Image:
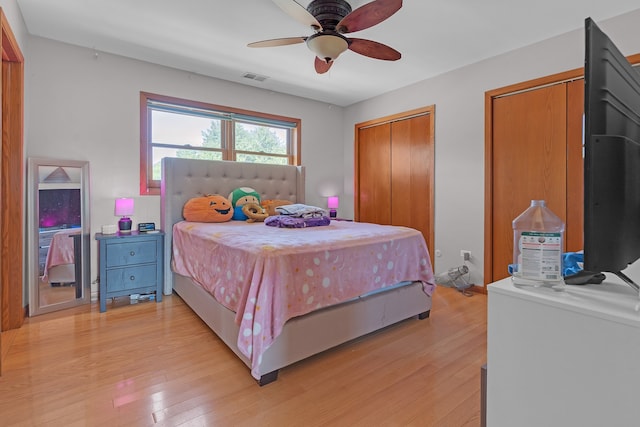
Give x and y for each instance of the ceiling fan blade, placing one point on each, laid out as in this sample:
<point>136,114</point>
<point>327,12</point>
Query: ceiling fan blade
<point>368,15</point>
<point>278,42</point>
<point>322,66</point>
<point>374,49</point>
<point>299,13</point>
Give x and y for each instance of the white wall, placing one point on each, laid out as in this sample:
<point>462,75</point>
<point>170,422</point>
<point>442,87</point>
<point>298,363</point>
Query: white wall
<point>458,97</point>
<point>84,105</point>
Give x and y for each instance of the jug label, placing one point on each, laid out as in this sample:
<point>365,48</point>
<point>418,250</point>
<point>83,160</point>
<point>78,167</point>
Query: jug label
<point>541,255</point>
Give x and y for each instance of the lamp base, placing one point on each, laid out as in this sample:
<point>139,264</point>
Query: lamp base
<point>124,225</point>
<point>333,213</point>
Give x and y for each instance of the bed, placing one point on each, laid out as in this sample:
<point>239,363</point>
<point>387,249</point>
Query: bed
<point>298,334</point>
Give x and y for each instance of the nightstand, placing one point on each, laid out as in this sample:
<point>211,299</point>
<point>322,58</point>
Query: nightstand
<point>130,264</point>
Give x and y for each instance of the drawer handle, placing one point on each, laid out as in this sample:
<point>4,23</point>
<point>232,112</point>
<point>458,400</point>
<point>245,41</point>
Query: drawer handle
<point>132,253</point>
<point>132,278</point>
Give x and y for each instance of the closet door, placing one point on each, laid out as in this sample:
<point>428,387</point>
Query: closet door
<point>529,161</point>
<point>412,171</point>
<point>374,174</point>
<point>394,171</point>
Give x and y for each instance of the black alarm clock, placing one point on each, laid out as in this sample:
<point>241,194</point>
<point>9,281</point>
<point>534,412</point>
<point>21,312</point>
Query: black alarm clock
<point>144,227</point>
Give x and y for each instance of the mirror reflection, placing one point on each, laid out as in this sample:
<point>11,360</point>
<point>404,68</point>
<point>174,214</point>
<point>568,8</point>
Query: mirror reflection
<point>59,233</point>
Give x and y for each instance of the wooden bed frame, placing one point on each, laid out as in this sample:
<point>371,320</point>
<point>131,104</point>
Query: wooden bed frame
<point>302,336</point>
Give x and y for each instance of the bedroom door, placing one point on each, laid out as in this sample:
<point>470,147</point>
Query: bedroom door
<point>11,181</point>
<point>394,171</point>
<point>535,153</point>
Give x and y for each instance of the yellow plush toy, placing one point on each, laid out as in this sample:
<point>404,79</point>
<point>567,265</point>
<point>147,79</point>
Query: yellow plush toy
<point>254,212</point>
<point>271,205</point>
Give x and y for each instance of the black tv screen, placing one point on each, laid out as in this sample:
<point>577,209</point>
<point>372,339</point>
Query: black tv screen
<point>612,156</point>
<point>59,208</point>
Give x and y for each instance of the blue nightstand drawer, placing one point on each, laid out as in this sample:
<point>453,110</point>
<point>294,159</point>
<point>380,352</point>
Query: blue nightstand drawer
<point>132,252</point>
<point>130,264</point>
<point>131,278</point>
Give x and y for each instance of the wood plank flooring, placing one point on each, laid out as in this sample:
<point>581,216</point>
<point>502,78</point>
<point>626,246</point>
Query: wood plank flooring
<point>158,364</point>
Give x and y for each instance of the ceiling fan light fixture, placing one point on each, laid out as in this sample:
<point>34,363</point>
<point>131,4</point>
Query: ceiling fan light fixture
<point>330,19</point>
<point>327,46</point>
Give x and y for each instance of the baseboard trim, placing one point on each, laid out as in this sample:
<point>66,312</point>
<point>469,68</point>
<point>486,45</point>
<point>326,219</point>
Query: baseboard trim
<point>478,289</point>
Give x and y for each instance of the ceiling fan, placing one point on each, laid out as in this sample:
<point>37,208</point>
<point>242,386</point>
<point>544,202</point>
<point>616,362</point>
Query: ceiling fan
<point>330,19</point>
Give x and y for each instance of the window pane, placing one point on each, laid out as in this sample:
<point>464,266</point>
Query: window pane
<point>259,138</point>
<point>185,129</point>
<point>159,152</point>
<point>254,158</point>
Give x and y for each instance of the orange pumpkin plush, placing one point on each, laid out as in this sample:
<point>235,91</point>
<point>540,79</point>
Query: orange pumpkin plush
<point>208,208</point>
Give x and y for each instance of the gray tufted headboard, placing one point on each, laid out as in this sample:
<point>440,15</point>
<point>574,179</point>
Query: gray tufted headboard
<point>183,179</point>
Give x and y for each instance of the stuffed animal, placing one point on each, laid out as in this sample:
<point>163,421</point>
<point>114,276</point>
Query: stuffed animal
<point>254,212</point>
<point>241,196</point>
<point>270,205</point>
<point>208,208</point>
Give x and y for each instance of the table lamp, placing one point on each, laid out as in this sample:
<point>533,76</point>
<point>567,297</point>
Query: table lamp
<point>124,208</point>
<point>332,204</point>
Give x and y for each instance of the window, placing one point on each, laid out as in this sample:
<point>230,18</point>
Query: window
<point>172,127</point>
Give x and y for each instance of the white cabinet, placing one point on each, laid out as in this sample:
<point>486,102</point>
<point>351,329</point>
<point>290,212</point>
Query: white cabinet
<point>565,359</point>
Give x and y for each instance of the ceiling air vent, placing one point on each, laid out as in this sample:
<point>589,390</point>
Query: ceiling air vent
<point>254,76</point>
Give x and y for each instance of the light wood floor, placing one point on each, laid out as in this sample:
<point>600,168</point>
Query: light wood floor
<point>158,364</point>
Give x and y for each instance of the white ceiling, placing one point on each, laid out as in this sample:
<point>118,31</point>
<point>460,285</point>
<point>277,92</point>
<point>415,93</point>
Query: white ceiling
<point>210,37</point>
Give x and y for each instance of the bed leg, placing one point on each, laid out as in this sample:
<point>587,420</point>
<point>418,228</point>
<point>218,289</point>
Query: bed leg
<point>268,378</point>
<point>424,315</point>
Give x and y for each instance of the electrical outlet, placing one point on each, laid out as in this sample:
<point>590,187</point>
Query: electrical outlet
<point>466,255</point>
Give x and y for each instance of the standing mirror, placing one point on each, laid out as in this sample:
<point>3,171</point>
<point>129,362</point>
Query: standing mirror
<point>58,234</point>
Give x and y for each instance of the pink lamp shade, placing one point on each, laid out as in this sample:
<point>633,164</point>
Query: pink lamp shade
<point>332,204</point>
<point>124,208</point>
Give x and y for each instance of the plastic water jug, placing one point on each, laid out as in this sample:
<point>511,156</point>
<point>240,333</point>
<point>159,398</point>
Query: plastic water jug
<point>538,243</point>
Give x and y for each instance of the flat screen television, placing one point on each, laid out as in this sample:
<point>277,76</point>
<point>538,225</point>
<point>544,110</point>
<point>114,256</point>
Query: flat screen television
<point>59,208</point>
<point>612,157</point>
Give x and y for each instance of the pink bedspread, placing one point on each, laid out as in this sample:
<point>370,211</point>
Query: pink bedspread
<point>60,251</point>
<point>269,275</point>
